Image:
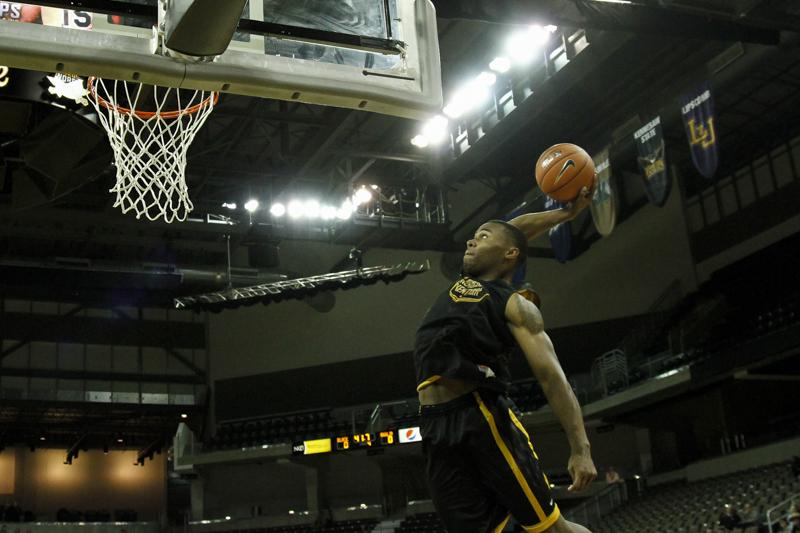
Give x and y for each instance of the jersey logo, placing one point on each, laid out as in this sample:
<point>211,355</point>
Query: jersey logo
<point>467,290</point>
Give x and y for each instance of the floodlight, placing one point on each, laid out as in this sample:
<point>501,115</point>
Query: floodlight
<point>420,141</point>
<point>436,129</point>
<point>362,196</point>
<point>277,209</point>
<point>327,212</point>
<point>345,211</point>
<point>311,209</point>
<point>500,64</point>
<point>486,79</point>
<point>295,209</point>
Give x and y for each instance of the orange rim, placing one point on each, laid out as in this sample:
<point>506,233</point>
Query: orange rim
<point>150,114</point>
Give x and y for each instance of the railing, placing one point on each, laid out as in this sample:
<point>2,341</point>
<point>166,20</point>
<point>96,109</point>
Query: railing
<point>780,510</point>
<point>599,505</point>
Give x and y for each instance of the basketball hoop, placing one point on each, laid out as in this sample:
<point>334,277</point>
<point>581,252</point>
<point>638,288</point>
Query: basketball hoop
<point>150,145</point>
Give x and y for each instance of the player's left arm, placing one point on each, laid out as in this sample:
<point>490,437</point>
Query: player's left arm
<point>534,224</point>
<point>526,325</point>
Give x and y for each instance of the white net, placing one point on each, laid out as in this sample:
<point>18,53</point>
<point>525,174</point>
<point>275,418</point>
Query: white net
<point>150,146</point>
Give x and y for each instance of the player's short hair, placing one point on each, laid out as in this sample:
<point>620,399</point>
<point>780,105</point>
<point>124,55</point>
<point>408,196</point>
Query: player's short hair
<point>516,237</point>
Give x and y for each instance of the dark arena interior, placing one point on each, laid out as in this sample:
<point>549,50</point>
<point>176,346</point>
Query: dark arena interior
<point>215,332</point>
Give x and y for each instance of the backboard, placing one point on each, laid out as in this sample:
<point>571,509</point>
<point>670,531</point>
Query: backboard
<point>374,55</point>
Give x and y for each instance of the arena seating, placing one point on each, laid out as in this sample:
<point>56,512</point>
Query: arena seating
<point>421,523</point>
<point>694,507</point>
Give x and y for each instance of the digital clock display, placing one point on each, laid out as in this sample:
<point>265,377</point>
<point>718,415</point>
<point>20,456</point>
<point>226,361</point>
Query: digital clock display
<point>364,440</point>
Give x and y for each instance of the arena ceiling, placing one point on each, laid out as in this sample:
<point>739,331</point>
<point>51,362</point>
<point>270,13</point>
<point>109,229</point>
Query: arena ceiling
<point>268,149</point>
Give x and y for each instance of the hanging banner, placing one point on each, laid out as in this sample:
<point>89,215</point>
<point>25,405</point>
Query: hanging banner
<point>604,199</point>
<point>697,111</point>
<point>652,160</point>
<point>561,235</point>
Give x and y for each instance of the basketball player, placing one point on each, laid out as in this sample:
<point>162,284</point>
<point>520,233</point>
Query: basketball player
<point>481,465</point>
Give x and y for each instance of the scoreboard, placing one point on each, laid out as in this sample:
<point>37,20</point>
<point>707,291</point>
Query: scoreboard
<point>358,441</point>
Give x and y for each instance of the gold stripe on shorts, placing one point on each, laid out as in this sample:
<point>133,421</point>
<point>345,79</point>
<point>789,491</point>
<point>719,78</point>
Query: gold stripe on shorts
<point>523,483</point>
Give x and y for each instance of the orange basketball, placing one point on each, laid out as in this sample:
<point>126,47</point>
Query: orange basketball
<point>563,170</point>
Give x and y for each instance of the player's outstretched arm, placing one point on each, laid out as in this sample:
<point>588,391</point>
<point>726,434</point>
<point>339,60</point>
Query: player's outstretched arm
<point>526,324</point>
<point>534,224</point>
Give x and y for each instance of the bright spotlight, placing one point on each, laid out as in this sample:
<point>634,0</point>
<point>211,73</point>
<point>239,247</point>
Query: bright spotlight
<point>435,129</point>
<point>500,64</point>
<point>184,416</point>
<point>227,518</point>
<point>277,209</point>
<point>311,209</point>
<point>420,141</point>
<point>251,205</point>
<point>362,196</point>
<point>523,45</point>
<point>486,79</point>
<point>472,95</point>
<point>229,205</point>
<point>295,209</point>
<point>346,211</point>
<point>327,212</point>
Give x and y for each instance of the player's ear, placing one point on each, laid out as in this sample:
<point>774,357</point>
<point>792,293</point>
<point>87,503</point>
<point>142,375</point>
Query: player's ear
<point>512,253</point>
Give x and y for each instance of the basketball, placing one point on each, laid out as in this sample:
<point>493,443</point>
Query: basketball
<point>563,170</point>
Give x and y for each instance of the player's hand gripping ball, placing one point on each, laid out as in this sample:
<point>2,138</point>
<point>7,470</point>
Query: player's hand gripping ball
<point>563,170</point>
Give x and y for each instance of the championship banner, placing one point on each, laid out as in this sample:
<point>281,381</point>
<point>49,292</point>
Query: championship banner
<point>697,111</point>
<point>604,199</point>
<point>561,235</point>
<point>652,160</point>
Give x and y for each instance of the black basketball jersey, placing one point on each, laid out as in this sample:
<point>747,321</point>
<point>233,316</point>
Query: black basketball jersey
<point>464,335</point>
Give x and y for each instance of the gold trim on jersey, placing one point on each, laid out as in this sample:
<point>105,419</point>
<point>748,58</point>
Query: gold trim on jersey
<point>431,380</point>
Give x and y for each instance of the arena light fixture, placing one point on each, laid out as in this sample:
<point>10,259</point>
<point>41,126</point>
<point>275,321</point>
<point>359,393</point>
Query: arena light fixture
<point>311,209</point>
<point>184,416</point>
<point>500,64</point>
<point>523,45</point>
<point>345,211</point>
<point>487,79</point>
<point>436,129</point>
<point>277,209</point>
<point>229,205</point>
<point>362,196</point>
<point>251,205</point>
<point>420,141</point>
<point>327,212</point>
<point>295,209</point>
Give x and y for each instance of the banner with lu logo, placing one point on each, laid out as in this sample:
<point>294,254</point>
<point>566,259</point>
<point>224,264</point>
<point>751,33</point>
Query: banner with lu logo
<point>697,111</point>
<point>652,160</point>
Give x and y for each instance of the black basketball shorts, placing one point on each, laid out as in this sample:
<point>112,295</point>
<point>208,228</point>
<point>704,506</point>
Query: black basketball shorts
<point>482,468</point>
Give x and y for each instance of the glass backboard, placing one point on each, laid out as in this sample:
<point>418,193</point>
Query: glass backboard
<point>375,55</point>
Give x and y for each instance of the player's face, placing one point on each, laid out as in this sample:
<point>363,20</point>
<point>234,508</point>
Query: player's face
<point>486,251</point>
